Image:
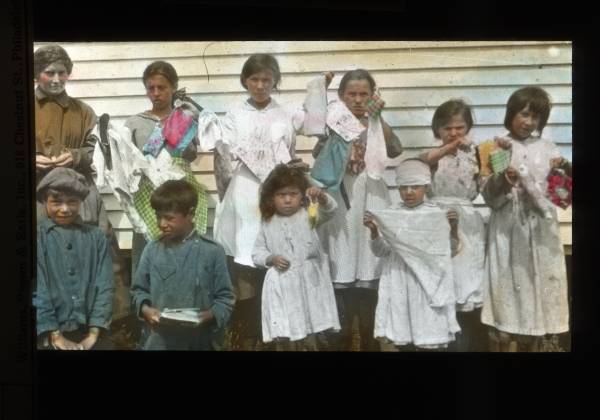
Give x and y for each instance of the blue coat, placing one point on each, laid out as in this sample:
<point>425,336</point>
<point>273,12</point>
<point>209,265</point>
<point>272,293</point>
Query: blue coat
<point>191,274</point>
<point>74,277</point>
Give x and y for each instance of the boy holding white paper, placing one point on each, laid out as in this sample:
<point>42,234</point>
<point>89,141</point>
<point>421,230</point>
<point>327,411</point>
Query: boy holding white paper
<point>181,270</point>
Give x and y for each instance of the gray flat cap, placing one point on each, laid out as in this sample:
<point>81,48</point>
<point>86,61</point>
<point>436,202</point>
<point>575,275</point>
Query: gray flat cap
<point>63,179</point>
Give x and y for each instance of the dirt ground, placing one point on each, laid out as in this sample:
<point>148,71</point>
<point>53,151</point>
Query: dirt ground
<point>125,333</point>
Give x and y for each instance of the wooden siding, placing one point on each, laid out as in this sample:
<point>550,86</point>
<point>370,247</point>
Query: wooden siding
<point>413,77</point>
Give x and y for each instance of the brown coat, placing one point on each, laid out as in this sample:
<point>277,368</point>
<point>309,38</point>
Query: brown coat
<point>64,124</point>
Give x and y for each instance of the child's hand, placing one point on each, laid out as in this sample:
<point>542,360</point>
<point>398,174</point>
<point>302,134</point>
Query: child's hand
<point>328,78</point>
<point>206,317</point>
<point>512,175</point>
<point>375,104</point>
<point>464,143</point>
<point>452,216</point>
<point>503,143</point>
<point>369,222</point>
<point>461,143</point>
<point>151,315</point>
<point>62,343</point>
<point>279,262</point>
<point>314,193</point>
<point>42,162</point>
<point>89,341</point>
<point>558,162</point>
<point>64,160</point>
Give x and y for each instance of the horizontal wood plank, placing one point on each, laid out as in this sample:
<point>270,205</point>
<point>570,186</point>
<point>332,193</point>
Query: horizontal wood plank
<point>339,61</point>
<point>91,51</point>
<point>395,98</point>
<point>463,77</point>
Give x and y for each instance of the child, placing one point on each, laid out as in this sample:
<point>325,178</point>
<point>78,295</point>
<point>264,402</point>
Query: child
<point>74,292</point>
<point>181,270</point>
<point>64,130</point>
<point>161,83</point>
<point>297,295</point>
<point>455,184</point>
<point>526,296</point>
<point>350,163</point>
<point>416,301</point>
<point>258,134</point>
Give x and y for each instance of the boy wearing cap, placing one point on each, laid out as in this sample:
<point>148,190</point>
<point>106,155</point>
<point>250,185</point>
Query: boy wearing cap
<point>74,290</point>
<point>416,301</point>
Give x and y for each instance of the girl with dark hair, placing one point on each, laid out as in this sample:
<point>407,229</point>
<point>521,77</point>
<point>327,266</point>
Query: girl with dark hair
<point>148,133</point>
<point>454,186</point>
<point>297,295</point>
<point>526,295</point>
<point>350,162</point>
<point>258,134</point>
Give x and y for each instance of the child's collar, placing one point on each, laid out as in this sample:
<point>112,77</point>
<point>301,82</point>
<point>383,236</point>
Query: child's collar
<point>62,99</point>
<point>50,224</point>
<point>187,237</point>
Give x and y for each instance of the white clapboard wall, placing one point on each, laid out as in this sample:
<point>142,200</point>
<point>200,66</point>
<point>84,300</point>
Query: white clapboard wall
<point>413,77</point>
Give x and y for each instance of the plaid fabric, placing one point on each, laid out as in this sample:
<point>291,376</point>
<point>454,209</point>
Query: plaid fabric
<point>500,160</point>
<point>141,201</point>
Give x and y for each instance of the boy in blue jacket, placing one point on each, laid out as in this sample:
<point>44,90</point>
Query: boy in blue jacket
<point>74,288</point>
<point>181,270</point>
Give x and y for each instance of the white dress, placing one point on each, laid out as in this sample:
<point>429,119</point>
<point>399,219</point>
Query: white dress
<point>299,301</point>
<point>454,186</point>
<point>345,237</point>
<point>237,216</point>
<point>416,302</point>
<point>527,288</point>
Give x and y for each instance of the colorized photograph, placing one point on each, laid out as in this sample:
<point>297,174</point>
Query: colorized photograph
<point>345,196</point>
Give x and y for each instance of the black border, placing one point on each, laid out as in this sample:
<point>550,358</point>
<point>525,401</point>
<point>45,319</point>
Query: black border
<point>487,381</point>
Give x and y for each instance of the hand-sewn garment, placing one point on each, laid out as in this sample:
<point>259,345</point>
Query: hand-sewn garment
<point>526,291</point>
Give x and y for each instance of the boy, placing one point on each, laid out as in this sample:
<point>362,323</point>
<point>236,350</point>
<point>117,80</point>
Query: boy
<point>64,137</point>
<point>416,302</point>
<point>74,292</point>
<point>181,270</point>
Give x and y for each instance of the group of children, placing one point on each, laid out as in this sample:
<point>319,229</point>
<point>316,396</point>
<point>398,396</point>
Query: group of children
<point>298,253</point>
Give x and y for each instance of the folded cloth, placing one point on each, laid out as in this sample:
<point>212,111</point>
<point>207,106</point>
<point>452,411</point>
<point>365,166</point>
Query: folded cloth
<point>500,160</point>
<point>155,142</point>
<point>343,122</point>
<point>422,239</point>
<point>179,130</point>
<point>315,105</point>
<point>329,167</point>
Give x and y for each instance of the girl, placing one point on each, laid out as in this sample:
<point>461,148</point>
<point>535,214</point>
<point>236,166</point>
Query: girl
<point>416,302</point>
<point>160,81</point>
<point>258,134</point>
<point>526,295</point>
<point>297,295</point>
<point>455,184</point>
<point>360,143</point>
